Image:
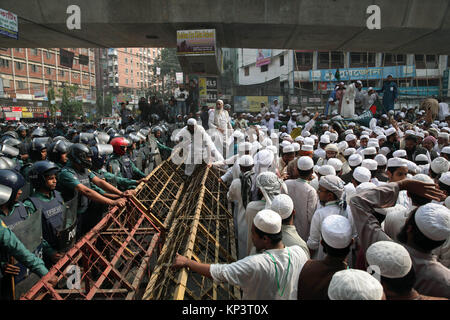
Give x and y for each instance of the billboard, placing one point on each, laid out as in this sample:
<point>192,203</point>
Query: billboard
<point>327,75</point>
<point>207,90</point>
<point>263,57</point>
<point>196,42</point>
<point>9,25</point>
<point>253,103</point>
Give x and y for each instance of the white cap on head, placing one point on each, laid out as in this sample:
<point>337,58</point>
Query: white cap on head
<point>336,231</point>
<point>373,144</point>
<point>306,133</point>
<point>410,133</point>
<point>423,178</point>
<point>325,139</point>
<point>445,178</point>
<point>333,137</point>
<point>381,136</point>
<point>305,163</point>
<point>361,174</point>
<point>365,186</point>
<point>307,147</point>
<point>392,259</point>
<point>397,162</point>
<point>399,154</point>
<point>369,164</point>
<point>443,135</point>
<point>314,137</point>
<point>381,160</point>
<point>299,138</point>
<point>369,151</point>
<point>191,122</point>
<point>342,146</point>
<point>390,132</point>
<point>446,150</point>
<point>349,151</point>
<point>244,146</point>
<point>439,165</point>
<point>283,205</point>
<point>238,135</point>
<point>246,161</point>
<point>268,221</point>
<point>264,158</point>
<point>335,163</point>
<point>350,137</point>
<point>326,170</point>
<point>321,153</point>
<point>355,160</point>
<point>333,184</point>
<point>309,141</point>
<point>433,220</point>
<point>365,133</point>
<point>296,146</point>
<point>420,135</point>
<point>332,147</point>
<point>285,143</point>
<point>273,149</point>
<point>354,284</point>
<point>288,149</point>
<point>364,136</point>
<point>422,157</point>
<point>447,202</point>
<point>352,124</point>
<point>412,167</point>
<point>349,131</point>
<point>385,151</point>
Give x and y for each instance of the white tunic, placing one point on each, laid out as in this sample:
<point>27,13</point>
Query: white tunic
<point>250,213</point>
<point>257,276</point>
<point>234,194</point>
<point>348,102</point>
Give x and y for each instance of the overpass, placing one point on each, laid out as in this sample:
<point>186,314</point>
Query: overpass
<point>407,26</point>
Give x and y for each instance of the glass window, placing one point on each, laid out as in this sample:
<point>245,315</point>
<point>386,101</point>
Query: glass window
<point>49,70</point>
<point>34,68</point>
<point>4,63</point>
<point>34,52</point>
<point>281,60</point>
<point>48,54</point>
<point>21,84</point>
<point>61,73</point>
<point>265,68</point>
<point>246,71</point>
<point>19,65</point>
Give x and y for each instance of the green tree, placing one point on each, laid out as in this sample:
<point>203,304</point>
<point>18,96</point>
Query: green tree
<point>169,65</point>
<point>51,97</point>
<point>70,107</point>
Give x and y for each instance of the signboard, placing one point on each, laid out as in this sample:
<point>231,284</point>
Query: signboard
<point>327,75</point>
<point>293,100</point>
<point>158,71</point>
<point>39,94</point>
<point>27,115</point>
<point>16,109</point>
<point>253,103</point>
<point>1,86</point>
<point>207,90</point>
<point>445,80</point>
<point>179,77</point>
<point>9,25</point>
<point>263,57</point>
<point>323,86</point>
<point>196,42</point>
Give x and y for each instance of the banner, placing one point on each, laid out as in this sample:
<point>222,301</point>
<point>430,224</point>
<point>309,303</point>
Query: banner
<point>27,115</point>
<point>263,57</point>
<point>179,77</point>
<point>207,90</point>
<point>253,103</point>
<point>9,25</point>
<point>66,58</point>
<point>196,42</point>
<point>327,75</point>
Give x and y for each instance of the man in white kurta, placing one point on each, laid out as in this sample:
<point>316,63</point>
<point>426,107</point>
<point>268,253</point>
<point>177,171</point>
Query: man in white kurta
<point>348,102</point>
<point>220,127</point>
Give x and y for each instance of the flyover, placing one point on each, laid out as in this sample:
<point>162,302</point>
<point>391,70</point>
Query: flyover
<point>407,26</point>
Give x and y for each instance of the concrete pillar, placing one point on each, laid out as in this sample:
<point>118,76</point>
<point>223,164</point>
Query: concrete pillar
<point>378,59</point>
<point>346,60</point>
<point>443,62</point>
<point>409,59</point>
<point>291,70</point>
<point>315,59</point>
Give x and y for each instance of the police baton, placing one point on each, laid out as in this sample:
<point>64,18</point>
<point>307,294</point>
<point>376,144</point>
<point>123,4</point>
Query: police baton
<point>13,284</point>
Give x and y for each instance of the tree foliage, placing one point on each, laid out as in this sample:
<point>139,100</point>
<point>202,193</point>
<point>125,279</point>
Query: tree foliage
<point>70,107</point>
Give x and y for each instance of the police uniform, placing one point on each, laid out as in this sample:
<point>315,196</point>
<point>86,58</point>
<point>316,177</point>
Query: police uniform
<point>117,181</point>
<point>124,167</point>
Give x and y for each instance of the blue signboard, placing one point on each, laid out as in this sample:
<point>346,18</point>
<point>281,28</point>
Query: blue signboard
<point>415,91</point>
<point>326,75</point>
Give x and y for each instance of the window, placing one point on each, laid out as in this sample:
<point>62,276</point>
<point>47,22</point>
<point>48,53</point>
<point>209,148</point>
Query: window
<point>19,50</point>
<point>282,60</point>
<point>265,68</point>
<point>34,68</point>
<point>304,60</point>
<point>48,70</point>
<point>36,86</point>
<point>6,83</point>
<point>362,59</point>
<point>48,54</point>
<point>21,84</point>
<point>34,52</point>
<point>246,71</point>
<point>61,73</point>
<point>126,60</point>
<point>4,63</point>
<point>131,71</point>
<point>126,71</point>
<point>19,65</point>
<point>324,58</point>
<point>337,59</point>
<point>75,75</point>
<point>126,81</point>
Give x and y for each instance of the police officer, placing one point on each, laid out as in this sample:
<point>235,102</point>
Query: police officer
<point>27,228</point>
<point>57,153</point>
<point>58,220</point>
<point>75,179</point>
<point>120,164</point>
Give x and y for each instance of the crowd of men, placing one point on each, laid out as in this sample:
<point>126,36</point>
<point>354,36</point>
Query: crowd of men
<point>330,209</point>
<point>323,208</point>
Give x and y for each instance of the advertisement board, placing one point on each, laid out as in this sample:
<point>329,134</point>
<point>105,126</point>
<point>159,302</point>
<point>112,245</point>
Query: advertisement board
<point>327,75</point>
<point>263,57</point>
<point>253,103</point>
<point>196,42</point>
<point>9,25</point>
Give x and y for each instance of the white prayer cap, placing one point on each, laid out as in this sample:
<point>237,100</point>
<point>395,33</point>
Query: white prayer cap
<point>342,146</point>
<point>364,136</point>
<point>381,160</point>
<point>321,153</point>
<point>266,142</point>
<point>324,139</point>
<point>296,146</point>
<point>365,133</point>
<point>390,132</point>
<point>307,147</point>
<point>349,131</point>
<point>264,158</point>
<point>445,178</point>
<point>283,205</point>
<point>349,151</point>
<point>191,122</point>
<point>332,147</point>
<point>246,161</point>
<point>423,178</point>
<point>412,167</point>
<point>355,160</point>
<point>245,146</point>
<point>399,154</point>
<point>326,170</point>
<point>305,163</point>
<point>447,202</point>
<point>422,157</point>
<point>446,150</point>
<point>285,143</point>
<point>336,231</point>
<point>305,133</point>
<point>392,258</point>
<point>299,138</point>
<point>333,184</point>
<point>288,149</point>
<point>381,136</point>
<point>384,151</point>
<point>369,151</point>
<point>401,115</point>
<point>335,163</point>
<point>352,124</point>
<point>354,284</point>
<point>309,141</point>
<point>268,221</point>
<point>433,220</point>
<point>333,137</point>
<point>361,174</point>
<point>443,135</point>
<point>365,186</point>
<point>273,149</point>
<point>439,165</point>
<point>350,137</point>
<point>267,114</point>
<point>410,133</point>
<point>314,137</point>
<point>397,162</point>
<point>326,132</point>
<point>273,135</point>
<point>238,135</point>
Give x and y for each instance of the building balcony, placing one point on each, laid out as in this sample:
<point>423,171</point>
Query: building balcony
<point>112,52</point>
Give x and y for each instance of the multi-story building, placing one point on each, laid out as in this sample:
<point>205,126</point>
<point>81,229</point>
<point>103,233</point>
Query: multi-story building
<point>27,74</point>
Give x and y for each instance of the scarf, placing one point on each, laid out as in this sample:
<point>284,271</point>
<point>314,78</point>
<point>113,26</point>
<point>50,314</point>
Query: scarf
<point>246,186</point>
